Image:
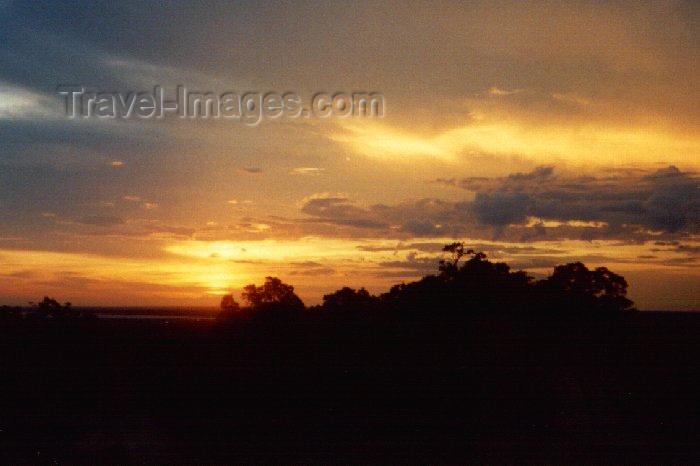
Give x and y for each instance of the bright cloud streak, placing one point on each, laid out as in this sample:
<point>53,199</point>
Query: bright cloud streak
<point>576,145</point>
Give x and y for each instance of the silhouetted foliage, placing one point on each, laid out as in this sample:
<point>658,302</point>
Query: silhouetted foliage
<point>481,285</point>
<point>229,306</point>
<point>9,313</point>
<point>47,310</point>
<point>457,251</point>
<point>460,288</point>
<point>576,287</point>
<point>475,363</point>
<point>349,300</point>
<point>273,294</point>
<point>476,285</point>
<point>49,307</point>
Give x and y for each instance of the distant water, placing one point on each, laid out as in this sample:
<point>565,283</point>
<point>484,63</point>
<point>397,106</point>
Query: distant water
<point>153,313</point>
<point>152,317</point>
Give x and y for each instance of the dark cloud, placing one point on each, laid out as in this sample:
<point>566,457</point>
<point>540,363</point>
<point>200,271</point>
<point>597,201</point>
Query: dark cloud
<point>357,222</point>
<point>310,269</point>
<point>340,211</point>
<point>674,204</point>
<point>667,200</point>
<point>336,207</point>
<point>501,209</point>
<point>101,220</point>
<point>688,249</point>
<point>413,264</point>
<point>512,183</point>
<point>627,206</point>
<point>421,217</point>
<point>420,227</point>
<point>401,246</point>
<point>538,174</point>
<point>306,264</point>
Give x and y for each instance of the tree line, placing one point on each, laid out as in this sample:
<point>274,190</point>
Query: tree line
<point>466,281</point>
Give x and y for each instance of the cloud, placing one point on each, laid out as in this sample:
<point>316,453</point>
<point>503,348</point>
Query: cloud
<point>494,91</point>
<point>339,209</point>
<point>307,171</point>
<point>17,103</point>
<point>665,200</point>
<point>313,271</point>
<point>413,264</point>
<point>420,217</point>
<point>519,85</point>
<point>501,209</point>
<point>420,227</point>
<point>101,220</point>
<point>512,183</point>
<point>674,201</point>
<point>539,205</point>
<point>631,206</point>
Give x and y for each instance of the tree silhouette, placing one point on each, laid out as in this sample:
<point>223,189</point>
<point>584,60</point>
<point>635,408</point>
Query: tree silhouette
<point>229,307</point>
<point>272,294</point>
<point>583,288</point>
<point>481,285</point>
<point>347,300</point>
<point>461,287</point>
<point>228,304</point>
<point>49,307</point>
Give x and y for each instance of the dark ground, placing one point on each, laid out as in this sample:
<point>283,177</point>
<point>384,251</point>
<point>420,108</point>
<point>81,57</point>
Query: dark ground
<point>489,389</point>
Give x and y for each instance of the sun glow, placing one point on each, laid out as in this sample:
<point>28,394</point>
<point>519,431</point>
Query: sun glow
<point>89,272</point>
<point>192,271</point>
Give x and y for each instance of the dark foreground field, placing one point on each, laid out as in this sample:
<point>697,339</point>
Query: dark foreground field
<point>496,389</point>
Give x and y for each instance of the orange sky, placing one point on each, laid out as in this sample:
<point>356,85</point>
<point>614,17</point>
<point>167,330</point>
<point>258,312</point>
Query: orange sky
<point>538,132</point>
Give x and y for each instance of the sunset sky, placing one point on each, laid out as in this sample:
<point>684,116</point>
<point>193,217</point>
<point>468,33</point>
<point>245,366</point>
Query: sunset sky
<point>538,132</point>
